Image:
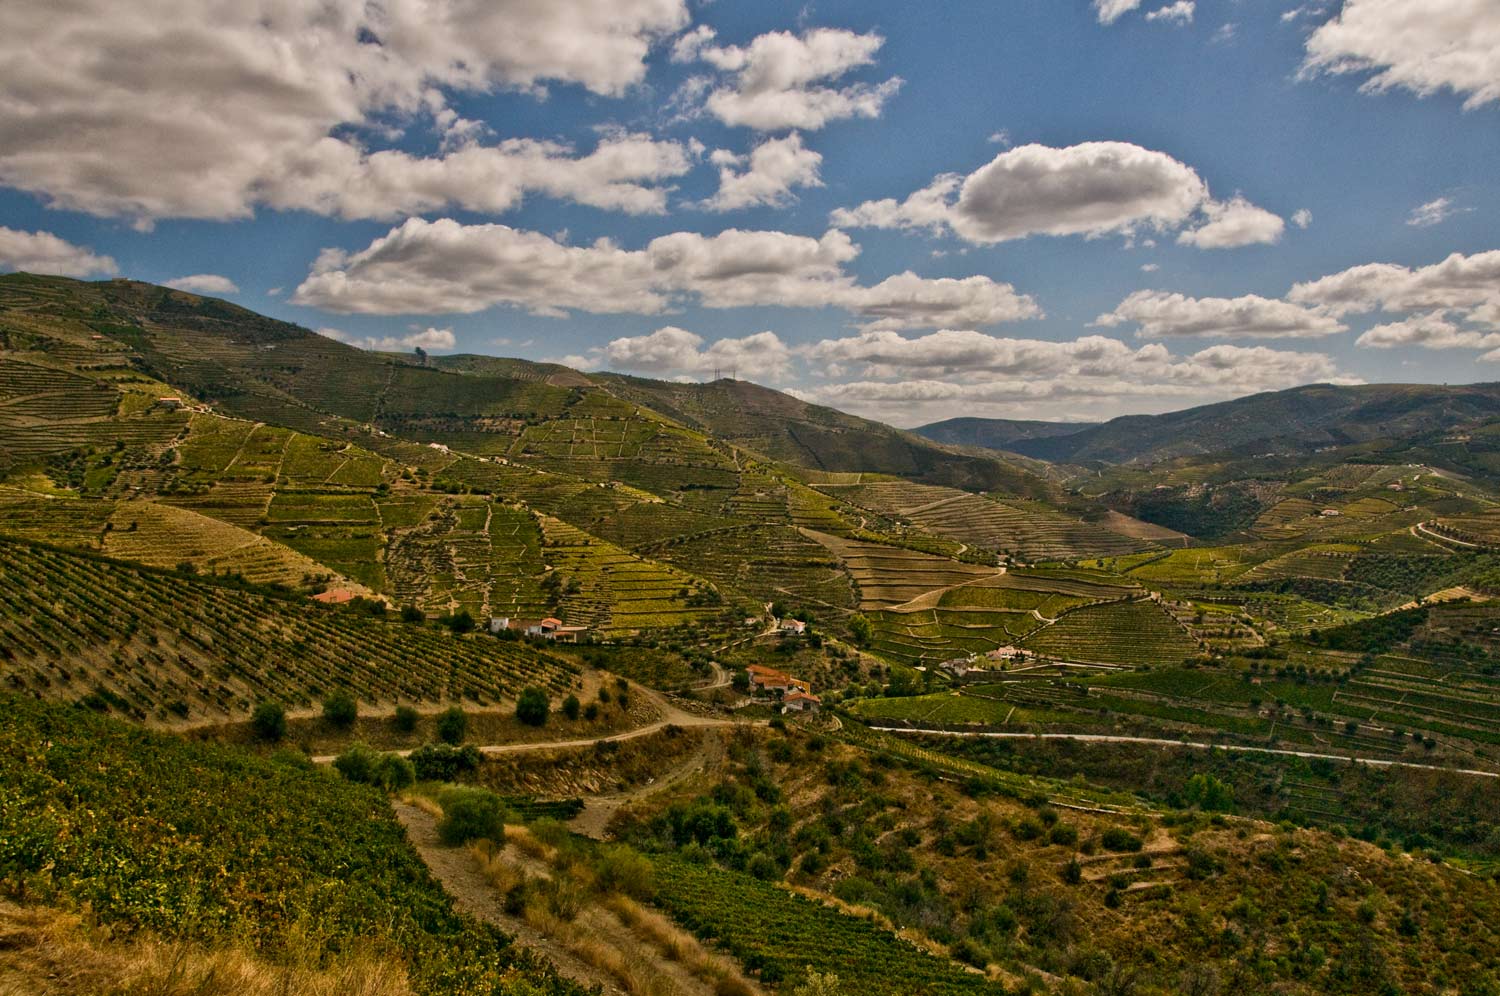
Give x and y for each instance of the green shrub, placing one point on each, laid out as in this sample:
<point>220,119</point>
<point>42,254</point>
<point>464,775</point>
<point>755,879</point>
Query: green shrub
<point>968,951</point>
<point>357,764</point>
<point>571,707</point>
<point>471,814</point>
<point>444,763</point>
<point>393,772</point>
<point>1028,829</point>
<point>623,869</point>
<point>340,710</point>
<point>1120,839</point>
<point>764,867</point>
<point>1072,872</point>
<point>370,767</point>
<point>452,725</point>
<point>460,622</point>
<point>1063,833</point>
<point>269,721</point>
<point>406,719</point>
<point>532,707</point>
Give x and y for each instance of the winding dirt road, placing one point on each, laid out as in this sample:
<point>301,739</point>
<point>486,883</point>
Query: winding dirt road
<point>667,715</point>
<point>1105,738</point>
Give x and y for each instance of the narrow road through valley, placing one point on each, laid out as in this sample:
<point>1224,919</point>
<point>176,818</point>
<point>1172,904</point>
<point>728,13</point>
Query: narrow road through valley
<point>1105,738</point>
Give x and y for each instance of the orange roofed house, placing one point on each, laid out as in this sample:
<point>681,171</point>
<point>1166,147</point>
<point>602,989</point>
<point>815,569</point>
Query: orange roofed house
<point>334,596</point>
<point>798,701</point>
<point>769,681</point>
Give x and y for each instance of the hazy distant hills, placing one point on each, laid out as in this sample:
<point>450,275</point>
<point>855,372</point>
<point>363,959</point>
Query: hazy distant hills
<point>998,433</point>
<point>1296,421</point>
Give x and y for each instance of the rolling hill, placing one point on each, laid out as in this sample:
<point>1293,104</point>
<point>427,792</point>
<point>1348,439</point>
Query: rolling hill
<point>1301,420</point>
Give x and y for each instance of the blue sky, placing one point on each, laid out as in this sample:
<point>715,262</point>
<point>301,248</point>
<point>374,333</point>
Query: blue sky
<point>1150,204</point>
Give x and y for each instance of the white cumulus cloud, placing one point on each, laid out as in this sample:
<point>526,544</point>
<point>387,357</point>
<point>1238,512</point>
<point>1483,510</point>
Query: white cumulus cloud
<point>43,252</point>
<point>1159,314</point>
<point>1459,282</point>
<point>1090,189</point>
<point>1430,331</point>
<point>672,351</point>
<point>953,372</point>
<point>204,283</point>
<point>268,103</point>
<point>773,168</point>
<point>782,80</point>
<point>436,267</point>
<point>429,339</point>
<point>1434,212</point>
<point>1180,12</point>
<point>1110,11</point>
<point>1232,224</point>
<point>1423,47</point>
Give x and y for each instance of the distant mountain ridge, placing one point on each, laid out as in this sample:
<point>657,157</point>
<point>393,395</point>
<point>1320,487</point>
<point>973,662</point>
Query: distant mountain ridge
<point>1295,421</point>
<point>997,433</point>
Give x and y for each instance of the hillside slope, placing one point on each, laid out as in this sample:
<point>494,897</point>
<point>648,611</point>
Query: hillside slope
<point>1296,421</point>
<point>786,429</point>
<point>997,433</point>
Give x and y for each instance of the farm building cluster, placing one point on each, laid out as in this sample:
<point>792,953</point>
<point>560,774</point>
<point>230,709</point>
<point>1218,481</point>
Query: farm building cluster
<point>550,628</point>
<point>794,694</point>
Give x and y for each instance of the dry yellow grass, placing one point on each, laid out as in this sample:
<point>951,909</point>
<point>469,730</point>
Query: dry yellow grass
<point>528,843</point>
<point>44,952</point>
<point>623,940</point>
<point>676,944</point>
<point>422,801</point>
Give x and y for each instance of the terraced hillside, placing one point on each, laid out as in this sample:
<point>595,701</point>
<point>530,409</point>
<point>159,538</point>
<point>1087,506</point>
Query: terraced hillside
<point>159,535</point>
<point>466,554</point>
<point>1133,632</point>
<point>1029,531</point>
<point>990,613</point>
<point>888,576</point>
<point>164,647</point>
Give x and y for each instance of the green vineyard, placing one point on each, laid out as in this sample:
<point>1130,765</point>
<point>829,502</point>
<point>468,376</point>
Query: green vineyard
<point>158,646</point>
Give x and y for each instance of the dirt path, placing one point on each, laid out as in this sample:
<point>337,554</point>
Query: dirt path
<point>1421,531</point>
<point>1104,738</point>
<point>667,715</point>
<point>598,810</point>
<point>460,875</point>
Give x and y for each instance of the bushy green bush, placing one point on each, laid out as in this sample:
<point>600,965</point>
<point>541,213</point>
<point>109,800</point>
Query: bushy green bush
<point>340,710</point>
<point>269,721</point>
<point>357,764</point>
<point>406,719</point>
<point>471,814</point>
<point>444,763</point>
<point>370,767</point>
<point>623,869</point>
<point>453,725</point>
<point>532,707</point>
<point>1120,839</point>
